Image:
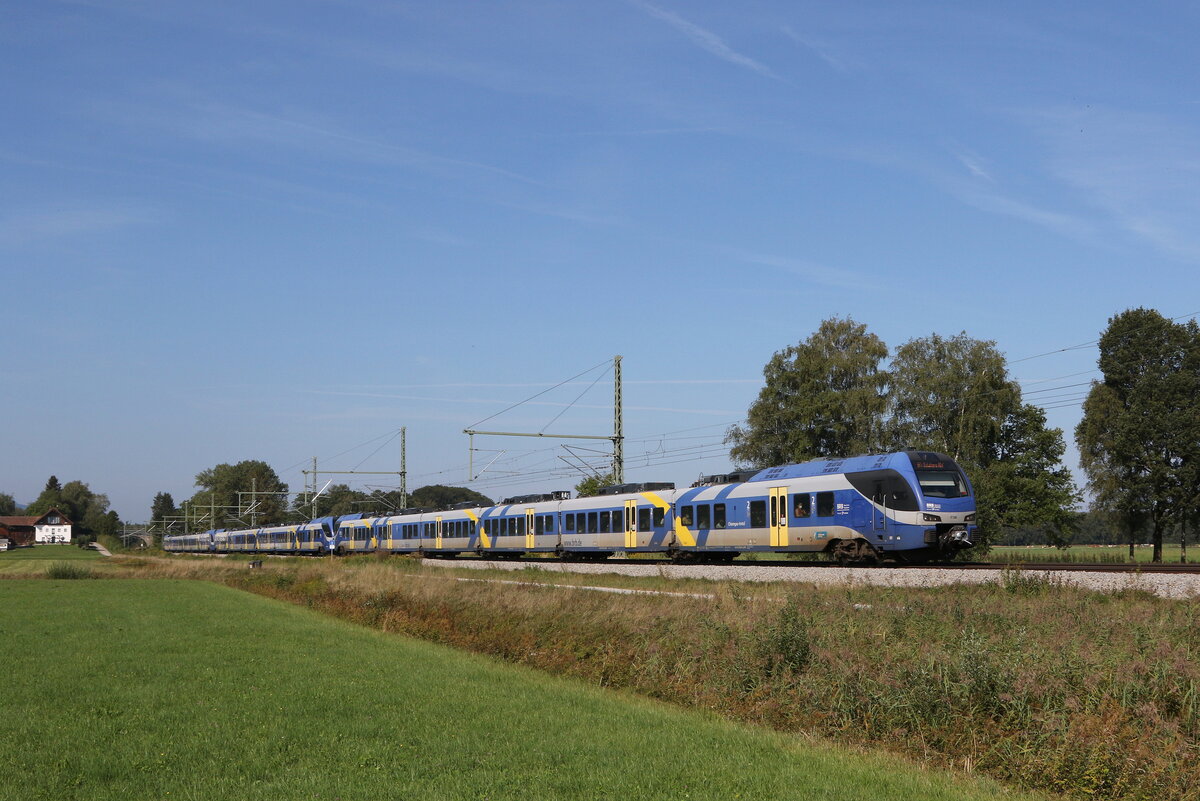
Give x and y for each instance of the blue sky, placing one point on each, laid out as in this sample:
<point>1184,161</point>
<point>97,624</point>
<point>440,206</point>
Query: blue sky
<point>279,230</point>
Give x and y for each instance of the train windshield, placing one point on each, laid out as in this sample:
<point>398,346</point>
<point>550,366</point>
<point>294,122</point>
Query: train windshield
<point>939,476</point>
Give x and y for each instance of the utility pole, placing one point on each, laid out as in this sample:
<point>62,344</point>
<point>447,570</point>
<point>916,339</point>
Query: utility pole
<point>402,473</point>
<point>617,438</point>
<point>403,467</point>
<point>618,468</point>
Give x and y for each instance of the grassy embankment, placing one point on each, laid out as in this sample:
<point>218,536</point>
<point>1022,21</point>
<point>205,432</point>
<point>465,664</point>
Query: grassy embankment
<point>1037,684</point>
<point>187,690</point>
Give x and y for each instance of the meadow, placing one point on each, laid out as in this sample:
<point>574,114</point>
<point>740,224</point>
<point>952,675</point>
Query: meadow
<point>1088,554</point>
<point>181,689</point>
<point>36,560</point>
<point>1038,684</point>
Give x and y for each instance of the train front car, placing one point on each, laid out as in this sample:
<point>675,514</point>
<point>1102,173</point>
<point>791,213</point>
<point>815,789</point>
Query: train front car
<point>923,506</point>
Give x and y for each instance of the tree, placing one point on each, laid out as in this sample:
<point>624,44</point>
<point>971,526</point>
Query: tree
<point>951,396</point>
<point>591,486</point>
<point>162,513</point>
<point>1139,439</point>
<point>337,499</point>
<point>1023,483</point>
<point>439,496</point>
<point>86,509</point>
<point>828,397</point>
<point>954,395</point>
<point>825,396</point>
<point>340,499</point>
<point>50,498</point>
<point>8,505</point>
<point>247,493</point>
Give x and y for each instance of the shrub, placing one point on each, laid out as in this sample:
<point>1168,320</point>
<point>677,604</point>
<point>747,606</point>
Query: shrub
<point>66,570</point>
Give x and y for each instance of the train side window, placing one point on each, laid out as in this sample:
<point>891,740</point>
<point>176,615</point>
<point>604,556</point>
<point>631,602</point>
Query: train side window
<point>539,525</point>
<point>569,524</point>
<point>660,516</point>
<point>824,504</point>
<point>758,514</point>
<point>644,519</point>
<point>719,515</point>
<point>619,520</point>
<point>549,524</point>
<point>520,527</point>
<point>685,516</point>
<point>592,523</point>
<point>801,505</point>
<point>605,522</point>
<point>704,516</point>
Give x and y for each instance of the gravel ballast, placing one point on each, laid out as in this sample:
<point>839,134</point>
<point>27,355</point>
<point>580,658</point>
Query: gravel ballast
<point>1165,585</point>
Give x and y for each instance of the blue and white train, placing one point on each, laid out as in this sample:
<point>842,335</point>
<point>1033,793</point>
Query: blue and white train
<point>911,506</point>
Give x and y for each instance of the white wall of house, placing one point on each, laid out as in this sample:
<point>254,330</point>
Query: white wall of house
<point>47,533</point>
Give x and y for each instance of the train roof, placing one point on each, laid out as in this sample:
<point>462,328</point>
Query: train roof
<point>901,460</point>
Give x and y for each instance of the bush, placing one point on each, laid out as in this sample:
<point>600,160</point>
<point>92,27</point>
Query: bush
<point>66,570</point>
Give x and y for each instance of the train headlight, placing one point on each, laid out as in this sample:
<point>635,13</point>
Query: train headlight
<point>928,518</point>
<point>970,518</point>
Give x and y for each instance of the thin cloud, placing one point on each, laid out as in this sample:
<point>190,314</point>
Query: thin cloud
<point>822,50</point>
<point>68,223</point>
<point>1140,169</point>
<point>817,273</point>
<point>705,39</point>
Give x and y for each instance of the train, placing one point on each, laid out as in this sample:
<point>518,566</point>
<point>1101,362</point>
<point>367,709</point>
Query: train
<point>907,506</point>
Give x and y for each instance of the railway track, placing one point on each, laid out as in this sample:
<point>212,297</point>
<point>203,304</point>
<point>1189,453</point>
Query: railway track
<point>1059,567</point>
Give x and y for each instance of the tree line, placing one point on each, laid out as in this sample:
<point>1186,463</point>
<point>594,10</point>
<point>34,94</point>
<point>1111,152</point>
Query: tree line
<point>250,493</point>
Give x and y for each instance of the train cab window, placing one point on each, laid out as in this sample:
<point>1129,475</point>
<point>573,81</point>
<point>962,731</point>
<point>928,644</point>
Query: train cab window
<point>569,524</point>
<point>719,515</point>
<point>660,516</point>
<point>643,519</point>
<point>539,524</point>
<point>824,504</point>
<point>758,514</point>
<point>619,520</point>
<point>703,516</point>
<point>801,505</point>
<point>685,516</point>
<point>605,522</point>
<point>593,523</point>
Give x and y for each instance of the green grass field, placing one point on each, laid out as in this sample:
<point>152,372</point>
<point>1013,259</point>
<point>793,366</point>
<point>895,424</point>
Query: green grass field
<point>39,558</point>
<point>1090,554</point>
<point>159,689</point>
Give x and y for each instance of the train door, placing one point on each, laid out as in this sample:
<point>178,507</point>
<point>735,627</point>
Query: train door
<point>529,530</point>
<point>631,539</point>
<point>779,517</point>
<point>879,508</point>
<point>437,534</point>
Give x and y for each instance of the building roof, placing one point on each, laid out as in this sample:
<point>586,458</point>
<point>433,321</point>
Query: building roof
<point>27,520</point>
